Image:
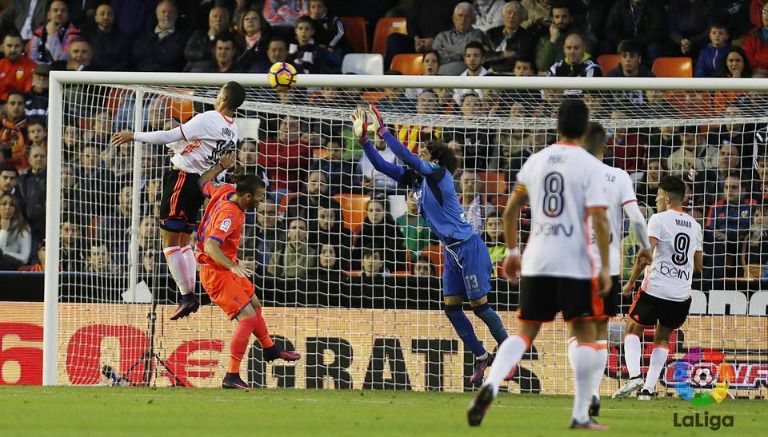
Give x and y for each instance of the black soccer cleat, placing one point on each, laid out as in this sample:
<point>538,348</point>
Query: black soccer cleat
<point>187,306</point>
<point>233,381</point>
<point>594,407</point>
<point>480,405</point>
<point>275,352</point>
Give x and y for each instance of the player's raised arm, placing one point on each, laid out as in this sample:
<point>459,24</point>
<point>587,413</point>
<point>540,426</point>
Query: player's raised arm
<point>360,128</point>
<point>156,137</point>
<point>637,222</point>
<point>402,152</point>
<point>511,224</point>
<point>226,162</point>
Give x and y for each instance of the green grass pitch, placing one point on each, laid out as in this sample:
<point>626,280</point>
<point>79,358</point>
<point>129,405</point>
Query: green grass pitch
<point>108,411</point>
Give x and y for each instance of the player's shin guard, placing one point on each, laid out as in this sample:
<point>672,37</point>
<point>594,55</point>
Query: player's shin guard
<point>509,354</point>
<point>261,332</point>
<point>658,359</point>
<point>464,329</point>
<point>177,266</point>
<point>492,321</point>
<point>240,342</point>
<point>190,268</point>
<point>632,352</point>
<point>583,359</point>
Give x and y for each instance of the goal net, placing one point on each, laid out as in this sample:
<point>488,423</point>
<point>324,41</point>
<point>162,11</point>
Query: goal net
<point>349,275</point>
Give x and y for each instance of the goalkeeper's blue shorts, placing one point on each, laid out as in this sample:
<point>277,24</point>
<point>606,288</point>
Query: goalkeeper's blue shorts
<point>468,269</point>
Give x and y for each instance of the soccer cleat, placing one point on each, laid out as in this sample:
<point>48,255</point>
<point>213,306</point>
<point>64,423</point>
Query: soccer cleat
<point>233,381</point>
<point>480,405</point>
<point>480,366</point>
<point>589,424</point>
<point>630,387</point>
<point>274,352</point>
<point>187,306</point>
<point>594,407</point>
<point>645,395</point>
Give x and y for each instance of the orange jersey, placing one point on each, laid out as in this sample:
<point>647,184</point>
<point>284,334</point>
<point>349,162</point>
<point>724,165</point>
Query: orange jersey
<point>222,221</point>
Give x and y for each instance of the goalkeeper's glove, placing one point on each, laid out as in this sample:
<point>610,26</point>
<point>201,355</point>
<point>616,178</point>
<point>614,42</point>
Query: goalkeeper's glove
<point>360,125</point>
<point>377,123</point>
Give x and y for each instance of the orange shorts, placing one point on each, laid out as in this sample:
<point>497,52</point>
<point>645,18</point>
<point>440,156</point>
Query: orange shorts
<point>227,290</point>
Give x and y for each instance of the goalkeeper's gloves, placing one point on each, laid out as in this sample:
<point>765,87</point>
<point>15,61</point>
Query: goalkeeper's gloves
<point>360,125</point>
<point>377,123</point>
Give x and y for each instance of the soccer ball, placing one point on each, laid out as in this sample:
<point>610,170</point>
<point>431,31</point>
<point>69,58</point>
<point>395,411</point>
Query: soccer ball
<point>282,76</point>
<point>702,377</point>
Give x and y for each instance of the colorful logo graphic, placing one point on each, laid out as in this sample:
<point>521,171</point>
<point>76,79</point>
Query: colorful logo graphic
<point>690,386</point>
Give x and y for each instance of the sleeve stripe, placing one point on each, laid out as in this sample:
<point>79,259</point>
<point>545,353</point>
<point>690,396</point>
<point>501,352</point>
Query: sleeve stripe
<point>629,201</point>
<point>181,129</point>
<point>217,239</point>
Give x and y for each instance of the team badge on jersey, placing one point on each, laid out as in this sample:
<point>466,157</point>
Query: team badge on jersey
<point>225,225</point>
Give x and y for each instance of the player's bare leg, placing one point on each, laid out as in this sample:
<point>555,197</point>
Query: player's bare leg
<point>658,359</point>
<point>183,267</point>
<point>509,354</point>
<point>584,361</point>
<point>632,354</point>
<point>461,324</point>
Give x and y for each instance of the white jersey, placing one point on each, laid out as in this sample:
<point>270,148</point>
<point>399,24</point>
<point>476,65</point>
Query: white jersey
<point>206,137</point>
<point>670,274</point>
<point>562,182</point>
<point>619,191</point>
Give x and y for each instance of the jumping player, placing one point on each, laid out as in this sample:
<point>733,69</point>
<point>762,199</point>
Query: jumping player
<point>197,145</point>
<point>224,279</point>
<point>665,293</point>
<point>468,266</point>
<point>564,186</point>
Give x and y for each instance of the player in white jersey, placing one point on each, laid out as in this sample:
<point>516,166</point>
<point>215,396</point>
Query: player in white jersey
<point>665,294</point>
<point>564,187</point>
<point>198,145</point>
<point>621,197</point>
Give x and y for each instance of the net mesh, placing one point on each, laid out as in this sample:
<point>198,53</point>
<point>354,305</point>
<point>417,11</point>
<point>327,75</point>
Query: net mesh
<point>348,272</point>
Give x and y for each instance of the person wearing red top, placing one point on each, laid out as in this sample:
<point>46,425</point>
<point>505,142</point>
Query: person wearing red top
<point>286,159</point>
<point>15,70</point>
<point>223,277</point>
<point>755,45</point>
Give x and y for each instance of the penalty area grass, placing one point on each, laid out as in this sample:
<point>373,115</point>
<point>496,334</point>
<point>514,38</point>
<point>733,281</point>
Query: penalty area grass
<point>108,411</point>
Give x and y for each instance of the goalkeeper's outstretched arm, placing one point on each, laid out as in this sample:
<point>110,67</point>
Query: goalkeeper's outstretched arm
<point>402,152</point>
<point>360,125</point>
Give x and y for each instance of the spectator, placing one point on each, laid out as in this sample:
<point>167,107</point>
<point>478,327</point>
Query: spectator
<point>431,63</point>
<point>710,183</point>
<point>736,16</point>
<point>329,229</point>
<point>474,57</point>
<point>71,258</point>
<point>493,234</point>
<point>687,23</point>
<point>33,188</point>
<point>305,54</point>
<point>426,18</point>
<point>630,65</point>
<point>712,55</point>
<point>36,135</point>
<point>24,16</point>
<point>639,20</point>
<point>472,200</point>
<point>523,67</point>
<point>692,155</point>
<point>413,227</point>
<point>269,235</point>
<point>735,64</point>
<point>15,69</point>
<point>284,13</point>
<point>380,232</point>
<point>372,178</point>
<point>15,238</point>
<point>373,264</point>
<point>95,184</point>
<point>253,34</point>
<point>754,246</point>
<point>306,202</point>
<point>422,267</point>
<point>648,184</point>
<point>342,175</point>
<point>296,258</point>
<point>329,30</point>
<point>161,48</point>
<point>510,41</point>
<point>285,157</point>
<point>79,58</point>
<point>13,137</point>
<point>488,14</point>
<point>50,42</point>
<point>36,107</point>
<point>551,44</point>
<point>328,264</point>
<point>451,43</point>
<point>577,62</point>
<point>410,134</point>
<point>277,51</point>
<point>199,48</point>
<point>99,259</point>
<point>39,266</point>
<point>224,53</point>
<point>755,45</point>
<point>114,225</point>
<point>111,48</point>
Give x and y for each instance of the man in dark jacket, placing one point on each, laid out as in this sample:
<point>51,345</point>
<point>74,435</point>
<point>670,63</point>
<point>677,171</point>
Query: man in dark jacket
<point>510,41</point>
<point>161,48</point>
<point>33,186</point>
<point>639,20</point>
<point>631,65</point>
<point>111,50</point>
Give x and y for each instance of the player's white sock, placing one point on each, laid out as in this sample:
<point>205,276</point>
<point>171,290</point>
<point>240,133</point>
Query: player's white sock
<point>572,344</point>
<point>190,268</point>
<point>632,353</point>
<point>509,354</point>
<point>658,359</point>
<point>177,267</point>
<point>600,362</point>
<point>584,358</point>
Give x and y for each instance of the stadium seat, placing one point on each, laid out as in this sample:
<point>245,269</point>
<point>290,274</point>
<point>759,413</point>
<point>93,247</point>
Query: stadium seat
<point>356,32</point>
<point>384,27</point>
<point>435,255</point>
<point>363,63</point>
<point>608,62</point>
<point>285,200</point>
<point>354,209</point>
<point>408,63</point>
<point>673,67</point>
<point>494,182</point>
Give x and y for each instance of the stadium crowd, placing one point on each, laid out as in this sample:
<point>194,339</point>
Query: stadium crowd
<point>316,173</point>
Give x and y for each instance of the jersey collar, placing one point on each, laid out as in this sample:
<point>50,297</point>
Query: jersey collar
<point>567,143</point>
<point>229,120</point>
<point>236,203</point>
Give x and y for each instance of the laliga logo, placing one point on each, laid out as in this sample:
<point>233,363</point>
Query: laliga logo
<point>701,377</point>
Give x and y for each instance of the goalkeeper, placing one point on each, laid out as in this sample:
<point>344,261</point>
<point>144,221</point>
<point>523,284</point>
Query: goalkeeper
<point>468,264</point>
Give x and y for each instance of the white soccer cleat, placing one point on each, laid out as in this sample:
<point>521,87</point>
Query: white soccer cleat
<point>630,387</point>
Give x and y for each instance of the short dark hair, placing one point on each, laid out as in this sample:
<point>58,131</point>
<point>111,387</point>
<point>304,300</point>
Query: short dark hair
<point>7,166</point>
<point>525,59</point>
<point>474,45</point>
<point>235,94</point>
<point>278,39</point>
<point>629,46</point>
<point>306,19</point>
<point>594,138</point>
<point>51,2</point>
<point>13,33</point>
<point>225,36</point>
<point>443,154</point>
<point>572,118</point>
<point>559,4</point>
<point>674,186</point>
<point>246,183</point>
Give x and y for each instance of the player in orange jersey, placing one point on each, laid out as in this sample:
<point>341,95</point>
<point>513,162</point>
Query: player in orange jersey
<point>224,279</point>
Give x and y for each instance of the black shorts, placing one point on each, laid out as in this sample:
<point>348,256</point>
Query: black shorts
<point>611,302</point>
<point>181,202</point>
<point>542,297</point>
<point>646,310</point>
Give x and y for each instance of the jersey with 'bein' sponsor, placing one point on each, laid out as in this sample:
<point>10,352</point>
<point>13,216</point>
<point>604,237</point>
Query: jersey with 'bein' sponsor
<point>207,137</point>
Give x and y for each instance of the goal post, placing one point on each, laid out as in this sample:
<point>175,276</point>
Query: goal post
<point>104,260</point>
